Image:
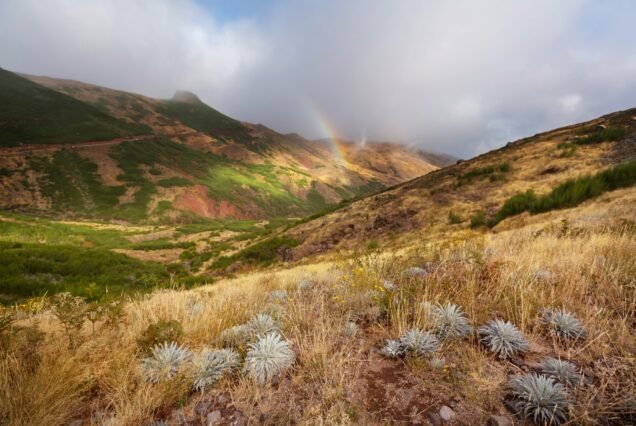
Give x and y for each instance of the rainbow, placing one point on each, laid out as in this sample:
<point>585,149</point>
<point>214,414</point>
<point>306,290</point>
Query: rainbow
<point>330,133</point>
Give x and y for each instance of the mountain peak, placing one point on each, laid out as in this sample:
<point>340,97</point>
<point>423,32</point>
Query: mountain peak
<point>186,97</point>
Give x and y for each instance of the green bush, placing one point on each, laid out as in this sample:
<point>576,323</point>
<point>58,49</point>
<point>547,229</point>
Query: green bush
<point>454,218</point>
<point>478,219</point>
<point>29,270</point>
<point>482,172</point>
<point>610,134</point>
<point>263,253</point>
<point>570,193</point>
<point>516,204</point>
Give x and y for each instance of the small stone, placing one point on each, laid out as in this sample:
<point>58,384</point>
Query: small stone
<point>499,421</point>
<point>434,419</point>
<point>446,413</point>
<point>214,418</point>
<point>202,408</point>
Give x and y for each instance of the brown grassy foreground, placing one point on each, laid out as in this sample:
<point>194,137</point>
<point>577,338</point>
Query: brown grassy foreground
<point>590,270</point>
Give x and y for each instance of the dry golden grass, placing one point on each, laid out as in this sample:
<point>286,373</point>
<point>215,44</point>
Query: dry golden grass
<point>338,379</point>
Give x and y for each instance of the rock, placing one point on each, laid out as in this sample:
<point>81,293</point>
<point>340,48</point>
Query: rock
<point>499,421</point>
<point>434,419</point>
<point>446,413</point>
<point>214,418</point>
<point>183,96</point>
<point>202,408</point>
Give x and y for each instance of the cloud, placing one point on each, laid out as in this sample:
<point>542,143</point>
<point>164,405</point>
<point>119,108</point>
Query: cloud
<point>151,47</point>
<point>460,77</point>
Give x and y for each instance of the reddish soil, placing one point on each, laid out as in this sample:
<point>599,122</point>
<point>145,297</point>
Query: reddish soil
<point>197,200</point>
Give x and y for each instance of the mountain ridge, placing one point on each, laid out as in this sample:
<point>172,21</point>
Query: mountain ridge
<point>251,170</point>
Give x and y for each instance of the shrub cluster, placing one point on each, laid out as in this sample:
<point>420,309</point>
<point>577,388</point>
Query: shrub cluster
<point>569,194</point>
<point>609,134</point>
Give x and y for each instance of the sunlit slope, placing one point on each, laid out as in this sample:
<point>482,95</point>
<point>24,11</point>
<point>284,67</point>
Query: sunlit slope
<point>478,193</point>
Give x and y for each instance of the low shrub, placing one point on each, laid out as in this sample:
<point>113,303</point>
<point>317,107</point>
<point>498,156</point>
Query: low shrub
<point>570,193</point>
<point>609,134</point>
<point>454,218</point>
<point>478,219</point>
<point>160,332</point>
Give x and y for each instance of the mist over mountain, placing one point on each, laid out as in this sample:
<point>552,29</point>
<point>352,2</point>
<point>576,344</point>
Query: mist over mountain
<point>460,77</point>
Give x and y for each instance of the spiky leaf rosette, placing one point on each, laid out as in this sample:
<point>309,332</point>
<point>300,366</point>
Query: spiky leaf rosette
<point>563,324</point>
<point>450,322</point>
<point>211,365</point>
<point>539,398</point>
<point>268,357</point>
<point>563,371</point>
<point>165,361</point>
<point>392,349</point>
<point>418,342</point>
<point>437,363</point>
<point>277,296</point>
<point>235,337</point>
<point>503,339</point>
<point>389,285</point>
<point>350,329</point>
<point>262,324</point>
<point>275,310</point>
<point>305,284</point>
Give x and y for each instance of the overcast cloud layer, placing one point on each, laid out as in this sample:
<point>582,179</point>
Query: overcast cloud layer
<point>459,77</point>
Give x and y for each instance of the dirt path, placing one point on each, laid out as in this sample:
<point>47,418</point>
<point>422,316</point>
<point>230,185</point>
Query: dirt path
<point>29,149</point>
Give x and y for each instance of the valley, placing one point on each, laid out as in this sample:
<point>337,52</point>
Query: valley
<point>147,267</point>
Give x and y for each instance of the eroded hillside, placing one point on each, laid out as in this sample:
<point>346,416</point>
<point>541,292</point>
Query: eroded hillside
<point>174,160</point>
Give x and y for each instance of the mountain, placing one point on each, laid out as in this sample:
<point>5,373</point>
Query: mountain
<point>562,168</point>
<point>78,150</point>
<point>31,113</point>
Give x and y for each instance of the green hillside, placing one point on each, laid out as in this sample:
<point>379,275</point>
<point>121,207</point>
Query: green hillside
<point>201,117</point>
<point>30,113</point>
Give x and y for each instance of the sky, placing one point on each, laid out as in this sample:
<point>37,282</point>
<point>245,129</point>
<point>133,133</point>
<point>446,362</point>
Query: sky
<point>460,77</point>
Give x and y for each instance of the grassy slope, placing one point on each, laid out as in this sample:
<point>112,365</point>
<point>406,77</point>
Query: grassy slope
<point>348,382</point>
<point>201,117</point>
<point>30,113</point>
<point>580,259</point>
<point>477,188</point>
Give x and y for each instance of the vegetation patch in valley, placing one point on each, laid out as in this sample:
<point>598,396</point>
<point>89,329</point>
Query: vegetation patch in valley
<point>262,253</point>
<point>30,270</point>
